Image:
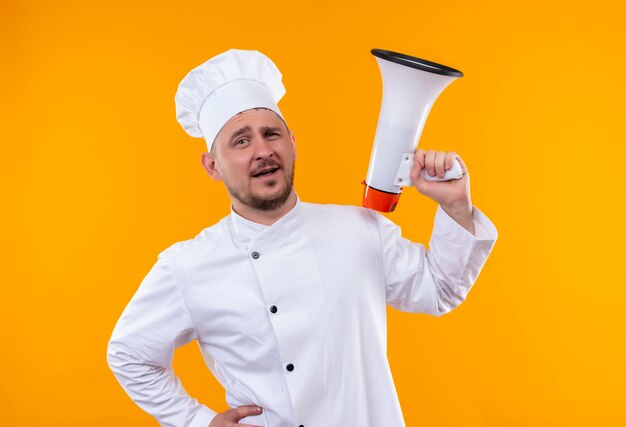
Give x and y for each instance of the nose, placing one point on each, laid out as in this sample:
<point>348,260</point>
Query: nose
<point>263,150</point>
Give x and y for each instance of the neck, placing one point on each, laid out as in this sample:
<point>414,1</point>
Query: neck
<point>264,217</point>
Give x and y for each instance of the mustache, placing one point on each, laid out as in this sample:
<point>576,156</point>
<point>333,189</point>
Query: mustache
<point>264,165</point>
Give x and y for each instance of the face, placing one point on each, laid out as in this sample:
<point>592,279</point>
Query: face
<point>254,155</point>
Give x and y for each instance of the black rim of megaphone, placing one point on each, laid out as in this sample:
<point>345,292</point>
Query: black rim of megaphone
<point>418,63</point>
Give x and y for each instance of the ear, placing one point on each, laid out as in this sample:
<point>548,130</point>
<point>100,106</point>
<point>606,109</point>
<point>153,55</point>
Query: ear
<point>293,144</point>
<point>210,165</point>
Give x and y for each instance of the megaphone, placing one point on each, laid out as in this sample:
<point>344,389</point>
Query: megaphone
<point>410,87</point>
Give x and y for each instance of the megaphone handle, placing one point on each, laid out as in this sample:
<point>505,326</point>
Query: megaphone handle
<point>455,172</point>
<point>406,164</point>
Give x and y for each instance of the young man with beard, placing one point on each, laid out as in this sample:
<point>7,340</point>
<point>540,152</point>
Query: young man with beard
<point>287,299</point>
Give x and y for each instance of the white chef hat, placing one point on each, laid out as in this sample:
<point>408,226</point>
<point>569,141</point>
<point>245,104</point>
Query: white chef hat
<point>227,84</point>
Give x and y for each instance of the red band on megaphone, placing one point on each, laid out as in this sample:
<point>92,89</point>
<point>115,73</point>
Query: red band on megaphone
<point>378,200</point>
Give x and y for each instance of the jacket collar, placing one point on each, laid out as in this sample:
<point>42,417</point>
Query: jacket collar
<point>249,233</point>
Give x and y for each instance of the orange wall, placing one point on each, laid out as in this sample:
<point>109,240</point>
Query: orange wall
<point>98,178</point>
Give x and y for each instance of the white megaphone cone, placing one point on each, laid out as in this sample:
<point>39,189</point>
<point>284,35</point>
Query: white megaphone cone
<point>410,87</point>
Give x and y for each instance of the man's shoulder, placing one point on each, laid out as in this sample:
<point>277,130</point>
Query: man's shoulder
<point>342,215</point>
<point>336,210</point>
<point>207,240</point>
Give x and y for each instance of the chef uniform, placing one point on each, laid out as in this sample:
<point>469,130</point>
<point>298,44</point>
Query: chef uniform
<point>291,316</point>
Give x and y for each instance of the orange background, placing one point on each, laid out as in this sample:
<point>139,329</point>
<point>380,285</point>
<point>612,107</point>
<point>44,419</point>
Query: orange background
<point>98,178</point>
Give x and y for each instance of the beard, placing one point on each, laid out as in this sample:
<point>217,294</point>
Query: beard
<point>266,203</point>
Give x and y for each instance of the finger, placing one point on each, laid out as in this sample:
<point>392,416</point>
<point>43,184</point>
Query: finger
<point>245,411</point>
<point>439,163</point>
<point>248,425</point>
<point>419,156</point>
<point>429,162</point>
<point>416,170</point>
<point>462,164</point>
<point>450,156</point>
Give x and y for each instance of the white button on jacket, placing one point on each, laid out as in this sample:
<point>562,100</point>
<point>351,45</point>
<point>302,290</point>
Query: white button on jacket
<point>291,317</point>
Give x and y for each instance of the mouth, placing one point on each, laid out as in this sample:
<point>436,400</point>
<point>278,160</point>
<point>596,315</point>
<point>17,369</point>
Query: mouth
<point>267,172</point>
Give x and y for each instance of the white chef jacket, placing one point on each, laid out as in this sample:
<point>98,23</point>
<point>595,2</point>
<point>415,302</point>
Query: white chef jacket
<point>292,316</point>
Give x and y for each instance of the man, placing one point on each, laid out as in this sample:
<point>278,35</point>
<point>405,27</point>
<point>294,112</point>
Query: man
<point>287,299</point>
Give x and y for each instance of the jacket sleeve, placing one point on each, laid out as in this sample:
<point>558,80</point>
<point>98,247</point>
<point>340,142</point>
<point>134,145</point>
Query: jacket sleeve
<point>140,351</point>
<point>436,280</point>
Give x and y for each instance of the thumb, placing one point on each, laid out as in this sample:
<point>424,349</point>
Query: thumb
<point>244,411</point>
<point>429,188</point>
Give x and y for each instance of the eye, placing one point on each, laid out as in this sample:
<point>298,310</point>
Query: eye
<point>271,134</point>
<point>241,141</point>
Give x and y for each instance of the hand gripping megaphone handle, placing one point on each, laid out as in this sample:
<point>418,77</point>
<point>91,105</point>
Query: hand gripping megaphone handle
<point>403,177</point>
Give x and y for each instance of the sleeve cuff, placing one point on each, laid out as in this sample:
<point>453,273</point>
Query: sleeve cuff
<point>484,229</point>
<point>203,417</point>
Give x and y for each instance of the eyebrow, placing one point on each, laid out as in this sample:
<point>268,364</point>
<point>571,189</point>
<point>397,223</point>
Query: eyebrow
<point>240,132</point>
<point>266,129</point>
<point>245,129</point>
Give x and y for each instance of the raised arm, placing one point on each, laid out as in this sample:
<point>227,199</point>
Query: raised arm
<point>436,280</point>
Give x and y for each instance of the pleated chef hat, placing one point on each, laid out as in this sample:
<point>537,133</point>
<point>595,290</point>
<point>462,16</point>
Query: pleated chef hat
<point>227,84</point>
